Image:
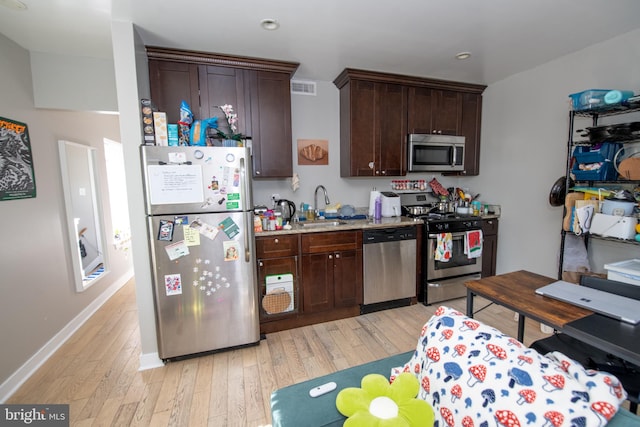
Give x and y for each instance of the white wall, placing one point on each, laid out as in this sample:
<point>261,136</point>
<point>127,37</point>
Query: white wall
<point>73,82</point>
<point>132,77</point>
<point>39,303</point>
<point>524,145</point>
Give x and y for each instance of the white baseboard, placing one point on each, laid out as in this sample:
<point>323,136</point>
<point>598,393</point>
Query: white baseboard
<point>150,361</point>
<point>30,366</point>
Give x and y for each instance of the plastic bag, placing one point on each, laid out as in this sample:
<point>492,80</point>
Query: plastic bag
<point>186,118</point>
<point>199,128</point>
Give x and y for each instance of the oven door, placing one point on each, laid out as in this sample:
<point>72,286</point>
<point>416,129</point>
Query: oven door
<point>459,264</point>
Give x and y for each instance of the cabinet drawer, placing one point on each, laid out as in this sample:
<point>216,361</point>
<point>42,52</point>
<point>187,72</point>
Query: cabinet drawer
<point>331,241</point>
<point>490,226</point>
<point>277,246</point>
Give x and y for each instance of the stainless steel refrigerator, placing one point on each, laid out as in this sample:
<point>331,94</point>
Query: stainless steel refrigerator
<point>200,229</point>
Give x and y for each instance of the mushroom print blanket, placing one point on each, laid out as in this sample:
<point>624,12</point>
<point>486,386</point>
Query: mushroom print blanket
<point>475,376</point>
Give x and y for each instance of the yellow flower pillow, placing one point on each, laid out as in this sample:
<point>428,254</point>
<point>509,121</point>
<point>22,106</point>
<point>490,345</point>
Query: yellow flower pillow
<point>380,404</point>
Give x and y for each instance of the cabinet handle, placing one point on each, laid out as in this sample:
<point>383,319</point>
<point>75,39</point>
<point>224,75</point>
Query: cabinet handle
<point>384,172</point>
<point>276,241</point>
<point>371,165</point>
<point>330,256</point>
<point>257,172</point>
<point>337,256</point>
<point>261,264</point>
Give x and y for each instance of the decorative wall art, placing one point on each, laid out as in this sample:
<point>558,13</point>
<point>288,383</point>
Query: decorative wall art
<point>313,152</point>
<point>17,178</point>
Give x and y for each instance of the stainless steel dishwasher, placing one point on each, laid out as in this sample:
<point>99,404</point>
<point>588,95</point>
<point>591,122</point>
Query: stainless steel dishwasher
<point>389,261</point>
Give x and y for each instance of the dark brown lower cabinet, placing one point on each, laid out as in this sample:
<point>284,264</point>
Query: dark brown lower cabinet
<point>331,271</point>
<point>327,276</point>
<point>489,246</point>
<point>332,279</point>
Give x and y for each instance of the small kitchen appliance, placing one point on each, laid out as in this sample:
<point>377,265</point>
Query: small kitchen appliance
<point>390,204</point>
<point>435,153</point>
<point>288,209</point>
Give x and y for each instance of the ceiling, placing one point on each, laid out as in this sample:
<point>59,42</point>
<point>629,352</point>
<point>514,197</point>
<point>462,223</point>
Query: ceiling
<point>412,37</point>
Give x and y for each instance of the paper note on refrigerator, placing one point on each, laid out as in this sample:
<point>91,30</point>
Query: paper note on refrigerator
<point>173,284</point>
<point>177,250</point>
<point>191,235</point>
<point>175,184</point>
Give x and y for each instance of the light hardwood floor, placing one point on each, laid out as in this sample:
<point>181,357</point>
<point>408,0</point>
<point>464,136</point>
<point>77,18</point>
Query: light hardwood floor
<point>96,370</point>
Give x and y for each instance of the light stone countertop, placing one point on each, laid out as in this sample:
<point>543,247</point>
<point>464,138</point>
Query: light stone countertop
<point>357,224</point>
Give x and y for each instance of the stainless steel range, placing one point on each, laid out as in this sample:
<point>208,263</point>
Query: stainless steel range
<point>442,280</point>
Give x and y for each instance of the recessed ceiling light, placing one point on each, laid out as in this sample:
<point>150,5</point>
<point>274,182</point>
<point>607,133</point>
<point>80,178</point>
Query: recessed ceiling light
<point>463,55</point>
<point>13,4</point>
<point>270,24</point>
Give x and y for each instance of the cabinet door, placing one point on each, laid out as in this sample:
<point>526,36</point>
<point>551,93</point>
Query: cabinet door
<point>420,110</point>
<point>357,129</point>
<point>391,136</point>
<point>275,266</point>
<point>471,120</point>
<point>434,111</point>
<point>447,112</point>
<point>489,247</point>
<point>220,86</point>
<point>373,133</point>
<point>171,83</point>
<point>270,124</point>
<point>347,277</point>
<point>317,282</point>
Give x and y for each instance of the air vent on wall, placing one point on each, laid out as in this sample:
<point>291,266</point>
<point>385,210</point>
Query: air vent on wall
<point>303,87</point>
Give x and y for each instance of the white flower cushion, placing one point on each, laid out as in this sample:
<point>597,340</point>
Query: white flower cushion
<point>474,375</point>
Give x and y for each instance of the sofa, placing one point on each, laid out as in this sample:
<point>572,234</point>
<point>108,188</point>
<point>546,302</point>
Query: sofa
<point>560,391</point>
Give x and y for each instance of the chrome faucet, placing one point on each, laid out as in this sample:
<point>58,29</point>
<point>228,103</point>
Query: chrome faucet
<point>315,198</point>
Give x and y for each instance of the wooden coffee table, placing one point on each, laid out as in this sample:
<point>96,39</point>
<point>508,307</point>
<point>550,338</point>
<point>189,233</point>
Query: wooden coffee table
<point>516,291</point>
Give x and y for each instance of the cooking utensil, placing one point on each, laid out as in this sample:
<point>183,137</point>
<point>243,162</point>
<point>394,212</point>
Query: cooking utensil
<point>559,191</point>
<point>627,161</point>
<point>616,132</point>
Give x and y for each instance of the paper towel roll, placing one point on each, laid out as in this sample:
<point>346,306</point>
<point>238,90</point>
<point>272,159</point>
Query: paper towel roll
<point>372,201</point>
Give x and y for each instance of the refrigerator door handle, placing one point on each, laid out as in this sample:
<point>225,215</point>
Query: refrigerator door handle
<point>247,217</point>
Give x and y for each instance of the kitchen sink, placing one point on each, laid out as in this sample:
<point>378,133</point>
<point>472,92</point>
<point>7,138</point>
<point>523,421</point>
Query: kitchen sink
<point>322,224</point>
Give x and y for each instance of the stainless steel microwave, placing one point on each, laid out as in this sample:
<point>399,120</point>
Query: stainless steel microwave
<point>435,153</point>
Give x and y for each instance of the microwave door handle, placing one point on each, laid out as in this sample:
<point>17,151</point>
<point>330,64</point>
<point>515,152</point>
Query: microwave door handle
<point>453,158</point>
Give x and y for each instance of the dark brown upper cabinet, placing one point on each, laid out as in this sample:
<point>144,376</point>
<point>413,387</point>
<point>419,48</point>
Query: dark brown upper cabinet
<point>258,89</point>
<point>373,121</point>
<point>379,110</point>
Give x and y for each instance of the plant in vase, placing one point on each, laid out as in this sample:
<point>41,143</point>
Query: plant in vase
<point>230,138</point>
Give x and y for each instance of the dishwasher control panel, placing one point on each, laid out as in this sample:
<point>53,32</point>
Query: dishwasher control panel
<point>388,235</point>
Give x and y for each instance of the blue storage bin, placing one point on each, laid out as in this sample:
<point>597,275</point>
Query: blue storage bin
<point>588,99</point>
<point>600,153</point>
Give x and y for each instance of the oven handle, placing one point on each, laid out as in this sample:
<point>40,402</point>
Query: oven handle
<point>472,276</point>
<point>454,236</point>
